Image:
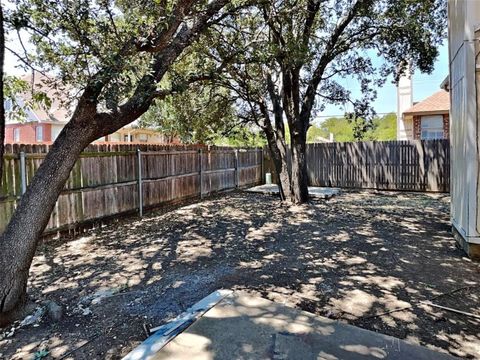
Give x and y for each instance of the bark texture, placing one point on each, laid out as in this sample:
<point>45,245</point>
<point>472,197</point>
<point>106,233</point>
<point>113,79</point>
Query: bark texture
<point>2,108</point>
<point>19,241</point>
<point>299,169</point>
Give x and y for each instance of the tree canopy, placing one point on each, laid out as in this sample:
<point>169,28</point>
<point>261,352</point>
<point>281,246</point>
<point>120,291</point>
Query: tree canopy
<point>380,128</point>
<point>283,62</point>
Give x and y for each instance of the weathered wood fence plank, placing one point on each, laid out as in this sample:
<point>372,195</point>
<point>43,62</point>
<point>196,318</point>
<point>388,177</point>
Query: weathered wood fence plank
<point>416,165</point>
<point>104,183</point>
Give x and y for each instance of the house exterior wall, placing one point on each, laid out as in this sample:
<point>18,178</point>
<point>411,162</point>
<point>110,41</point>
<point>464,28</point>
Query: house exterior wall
<point>446,126</point>
<point>407,125</point>
<point>404,102</point>
<point>464,18</point>
<point>56,128</point>
<point>417,126</point>
<point>51,132</point>
<point>28,133</point>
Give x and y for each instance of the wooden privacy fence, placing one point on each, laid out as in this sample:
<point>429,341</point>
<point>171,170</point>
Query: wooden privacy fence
<point>107,179</point>
<point>414,165</point>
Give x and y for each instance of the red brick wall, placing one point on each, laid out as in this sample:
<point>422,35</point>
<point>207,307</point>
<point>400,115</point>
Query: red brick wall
<point>446,126</point>
<point>417,126</point>
<point>27,133</point>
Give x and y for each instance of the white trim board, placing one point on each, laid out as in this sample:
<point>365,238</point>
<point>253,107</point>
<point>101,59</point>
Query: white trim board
<point>165,333</point>
<point>461,232</point>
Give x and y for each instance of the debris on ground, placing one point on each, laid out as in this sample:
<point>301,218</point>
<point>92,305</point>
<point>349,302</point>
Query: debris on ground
<point>330,257</point>
<point>34,318</point>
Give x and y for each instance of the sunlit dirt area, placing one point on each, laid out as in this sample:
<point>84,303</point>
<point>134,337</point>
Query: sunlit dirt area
<point>358,258</point>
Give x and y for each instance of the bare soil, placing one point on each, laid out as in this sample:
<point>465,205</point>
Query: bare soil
<point>352,258</point>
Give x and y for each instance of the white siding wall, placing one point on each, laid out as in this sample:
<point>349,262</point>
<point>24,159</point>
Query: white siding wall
<point>404,102</point>
<point>464,16</point>
<point>56,131</point>
<point>115,137</point>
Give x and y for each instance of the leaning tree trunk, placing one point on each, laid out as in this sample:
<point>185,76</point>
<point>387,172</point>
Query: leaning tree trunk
<point>299,168</point>
<point>2,108</point>
<point>19,240</point>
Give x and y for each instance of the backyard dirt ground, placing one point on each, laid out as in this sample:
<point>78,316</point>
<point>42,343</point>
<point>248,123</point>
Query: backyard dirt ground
<point>352,258</point>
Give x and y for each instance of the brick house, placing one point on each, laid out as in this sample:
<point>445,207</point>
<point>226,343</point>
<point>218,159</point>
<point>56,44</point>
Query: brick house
<point>32,132</point>
<point>430,117</point>
<point>42,126</point>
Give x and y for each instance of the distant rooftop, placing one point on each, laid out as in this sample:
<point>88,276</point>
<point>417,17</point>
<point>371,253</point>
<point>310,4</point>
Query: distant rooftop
<point>438,102</point>
<point>57,113</point>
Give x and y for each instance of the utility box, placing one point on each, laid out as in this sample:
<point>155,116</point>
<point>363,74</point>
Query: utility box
<point>463,39</point>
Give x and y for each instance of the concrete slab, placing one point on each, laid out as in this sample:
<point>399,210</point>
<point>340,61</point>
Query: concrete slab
<point>245,327</point>
<point>314,191</point>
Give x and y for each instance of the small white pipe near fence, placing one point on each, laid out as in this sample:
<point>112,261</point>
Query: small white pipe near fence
<point>140,187</point>
<point>23,172</point>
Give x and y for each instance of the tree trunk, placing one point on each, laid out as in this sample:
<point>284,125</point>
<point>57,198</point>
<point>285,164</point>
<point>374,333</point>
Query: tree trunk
<point>299,168</point>
<point>2,108</point>
<point>276,138</point>
<point>19,240</point>
<point>280,163</point>
<point>284,171</point>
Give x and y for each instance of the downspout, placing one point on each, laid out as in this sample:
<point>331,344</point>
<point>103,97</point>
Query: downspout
<point>477,118</point>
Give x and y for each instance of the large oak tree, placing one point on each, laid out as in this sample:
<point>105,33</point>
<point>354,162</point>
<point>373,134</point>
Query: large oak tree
<point>113,54</point>
<point>288,58</point>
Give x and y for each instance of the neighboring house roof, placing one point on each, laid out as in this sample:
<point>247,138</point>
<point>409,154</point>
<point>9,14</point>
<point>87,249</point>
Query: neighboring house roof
<point>436,103</point>
<point>57,113</point>
<point>445,85</point>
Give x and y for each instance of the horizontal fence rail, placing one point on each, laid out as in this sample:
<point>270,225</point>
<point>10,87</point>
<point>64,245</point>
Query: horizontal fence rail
<point>116,179</point>
<point>412,165</point>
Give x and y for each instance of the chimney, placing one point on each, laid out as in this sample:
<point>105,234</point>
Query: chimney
<point>404,102</point>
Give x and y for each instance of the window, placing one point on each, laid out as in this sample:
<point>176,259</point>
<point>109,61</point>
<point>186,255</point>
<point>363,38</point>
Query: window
<point>142,137</point>
<point>8,105</point>
<point>16,134</point>
<point>39,133</point>
<point>127,138</point>
<point>432,127</point>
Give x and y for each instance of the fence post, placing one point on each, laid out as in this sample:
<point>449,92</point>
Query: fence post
<point>23,172</point>
<point>262,168</point>
<point>140,186</point>
<point>237,182</point>
<point>200,166</point>
<point>375,166</point>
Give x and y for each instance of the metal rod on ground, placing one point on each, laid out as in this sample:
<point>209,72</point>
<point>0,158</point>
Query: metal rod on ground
<point>23,172</point>
<point>140,187</point>
<point>429,303</point>
<point>200,162</point>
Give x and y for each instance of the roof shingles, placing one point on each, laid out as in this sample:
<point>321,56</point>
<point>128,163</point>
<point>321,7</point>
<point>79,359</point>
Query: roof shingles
<point>438,102</point>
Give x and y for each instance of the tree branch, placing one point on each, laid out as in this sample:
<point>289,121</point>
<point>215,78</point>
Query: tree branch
<point>325,59</point>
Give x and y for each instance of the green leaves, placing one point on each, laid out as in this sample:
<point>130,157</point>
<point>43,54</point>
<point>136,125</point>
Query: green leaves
<point>21,97</point>
<point>344,130</point>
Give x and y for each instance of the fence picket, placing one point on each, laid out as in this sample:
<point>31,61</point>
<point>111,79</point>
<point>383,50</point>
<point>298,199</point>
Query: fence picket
<point>104,181</point>
<point>414,165</point>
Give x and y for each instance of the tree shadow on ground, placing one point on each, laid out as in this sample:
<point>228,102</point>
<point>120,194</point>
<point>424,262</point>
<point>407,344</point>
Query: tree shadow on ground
<point>351,258</point>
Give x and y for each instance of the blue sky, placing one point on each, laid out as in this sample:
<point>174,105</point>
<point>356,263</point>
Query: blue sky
<point>423,86</point>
